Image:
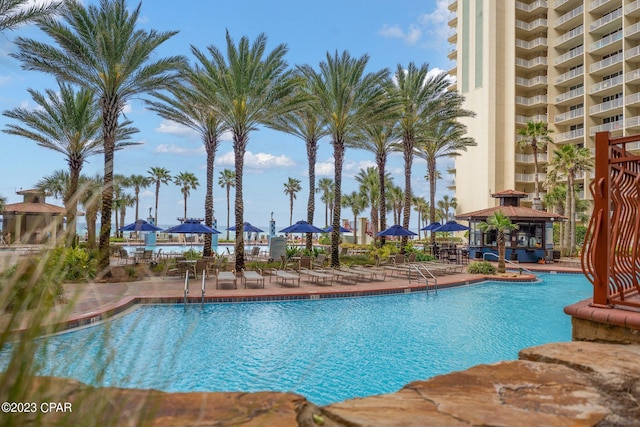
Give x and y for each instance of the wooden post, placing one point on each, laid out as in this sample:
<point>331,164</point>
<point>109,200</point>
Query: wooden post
<point>601,207</point>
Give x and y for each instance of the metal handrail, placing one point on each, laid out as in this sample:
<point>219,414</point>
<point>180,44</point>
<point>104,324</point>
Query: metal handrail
<point>518,266</point>
<point>203,286</point>
<point>417,268</point>
<point>186,288</point>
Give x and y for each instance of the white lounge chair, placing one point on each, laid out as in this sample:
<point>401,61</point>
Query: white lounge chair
<point>226,276</point>
<point>285,277</point>
<point>252,276</point>
<point>318,278</point>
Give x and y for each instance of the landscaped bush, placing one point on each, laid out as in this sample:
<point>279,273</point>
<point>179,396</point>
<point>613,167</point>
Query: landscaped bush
<point>192,254</point>
<point>481,267</point>
<point>27,286</point>
<point>71,264</point>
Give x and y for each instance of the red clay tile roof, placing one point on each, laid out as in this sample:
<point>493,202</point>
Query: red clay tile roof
<point>34,208</point>
<point>513,212</point>
<point>512,193</point>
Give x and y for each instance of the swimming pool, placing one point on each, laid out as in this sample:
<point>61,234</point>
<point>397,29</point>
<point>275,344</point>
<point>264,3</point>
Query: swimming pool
<point>327,350</point>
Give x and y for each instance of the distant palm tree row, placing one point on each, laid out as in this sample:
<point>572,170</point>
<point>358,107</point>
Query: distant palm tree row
<point>100,50</point>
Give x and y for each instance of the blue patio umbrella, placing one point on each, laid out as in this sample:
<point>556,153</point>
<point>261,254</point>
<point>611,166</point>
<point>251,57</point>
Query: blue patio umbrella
<point>302,227</point>
<point>247,228</point>
<point>396,230</point>
<point>450,226</point>
<point>141,226</point>
<point>329,229</point>
<point>191,226</point>
<point>431,226</point>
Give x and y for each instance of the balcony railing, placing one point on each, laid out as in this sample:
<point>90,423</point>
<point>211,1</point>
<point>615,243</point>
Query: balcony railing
<point>607,106</point>
<point>533,81</point>
<point>605,41</point>
<point>568,136</point>
<point>632,29</point>
<point>569,15</point>
<point>539,60</point>
<point>523,120</point>
<point>570,74</point>
<point>528,158</point>
<point>569,55</point>
<point>569,35</point>
<point>632,53</point>
<point>573,93</point>
<point>605,19</point>
<point>633,122</point>
<point>528,26</point>
<point>597,3</point>
<point>534,100</point>
<point>605,84</point>
<point>531,6</point>
<point>633,99</point>
<point>530,177</point>
<point>632,75</point>
<point>572,114</point>
<point>607,62</point>
<point>540,41</point>
<point>632,7</point>
<point>607,127</point>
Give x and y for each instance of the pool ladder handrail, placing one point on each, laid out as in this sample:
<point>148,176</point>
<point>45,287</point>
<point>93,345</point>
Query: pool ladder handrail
<point>417,268</point>
<point>518,266</point>
<point>186,287</point>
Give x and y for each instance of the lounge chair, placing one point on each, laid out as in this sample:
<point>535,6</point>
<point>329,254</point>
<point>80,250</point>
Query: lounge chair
<point>124,256</point>
<point>226,276</point>
<point>252,276</point>
<point>318,278</point>
<point>370,272</point>
<point>254,254</point>
<point>320,261</point>
<point>285,276</point>
<point>350,278</point>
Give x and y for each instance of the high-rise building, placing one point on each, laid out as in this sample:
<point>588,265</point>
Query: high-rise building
<point>571,63</point>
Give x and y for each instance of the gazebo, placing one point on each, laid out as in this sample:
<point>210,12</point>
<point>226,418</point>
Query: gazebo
<point>532,241</point>
<point>32,220</point>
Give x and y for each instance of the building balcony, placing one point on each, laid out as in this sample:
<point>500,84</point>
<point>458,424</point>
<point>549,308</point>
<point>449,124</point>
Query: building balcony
<point>528,158</point>
<point>632,32</point>
<point>530,196</point>
<point>602,6</point>
<point>607,42</point>
<point>607,127</point>
<point>453,68</point>
<point>573,57</point>
<point>523,120</point>
<point>607,86</point>
<point>576,115</point>
<point>536,44</point>
<point>633,122</point>
<point>569,96</point>
<point>570,77</point>
<point>569,136</point>
<point>607,108</point>
<point>607,65</point>
<point>537,63</point>
<point>453,53</point>
<point>633,54</point>
<point>536,25</point>
<point>452,36</point>
<point>632,99</point>
<point>534,101</point>
<point>538,6</point>
<point>570,19</point>
<point>608,23</point>
<point>452,5</point>
<point>453,20</point>
<point>533,82</point>
<point>633,76</point>
<point>564,5</point>
<point>633,9</point>
<point>570,38</point>
<point>529,177</point>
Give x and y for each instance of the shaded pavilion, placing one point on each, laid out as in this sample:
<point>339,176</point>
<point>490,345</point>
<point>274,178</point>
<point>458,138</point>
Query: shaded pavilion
<point>33,220</point>
<point>532,241</point>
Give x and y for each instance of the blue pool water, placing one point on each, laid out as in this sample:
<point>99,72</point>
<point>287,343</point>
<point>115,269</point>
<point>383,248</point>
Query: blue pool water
<point>327,350</point>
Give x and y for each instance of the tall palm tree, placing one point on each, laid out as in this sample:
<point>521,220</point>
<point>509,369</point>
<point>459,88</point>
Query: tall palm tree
<point>444,139</point>
<point>189,106</point>
<point>291,188</point>
<point>90,192</point>
<point>380,140</point>
<point>247,88</point>
<point>125,201</point>
<point>421,206</point>
<point>14,13</point>
<point>307,125</point>
<point>119,184</point>
<point>3,201</point>
<point>69,123</point>
<point>536,136</point>
<point>159,176</point>
<point>325,188</point>
<point>370,186</point>
<point>396,201</point>
<point>187,182</point>
<point>501,224</point>
<point>358,202</point>
<point>138,182</point>
<point>346,99</point>
<point>568,161</point>
<point>100,48</point>
<point>226,180</point>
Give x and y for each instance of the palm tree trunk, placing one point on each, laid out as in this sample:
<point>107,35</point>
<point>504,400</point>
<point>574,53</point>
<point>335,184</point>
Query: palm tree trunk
<point>208,198</point>
<point>431,171</point>
<point>228,208</point>
<point>157,198</point>
<point>291,209</point>
<point>137,192</point>
<point>91,216</point>
<point>107,201</point>
<point>408,161</point>
<point>536,181</point>
<point>572,218</point>
<point>383,197</point>
<point>239,148</point>
<point>71,202</point>
<point>312,149</point>
<point>338,155</point>
<point>355,229</point>
<point>566,244</point>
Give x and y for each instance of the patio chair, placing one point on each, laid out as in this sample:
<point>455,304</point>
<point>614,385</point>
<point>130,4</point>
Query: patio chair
<point>226,276</point>
<point>284,277</point>
<point>305,263</point>
<point>252,276</point>
<point>254,254</point>
<point>320,261</point>
<point>124,256</point>
<point>200,267</point>
<point>317,278</point>
<point>285,263</point>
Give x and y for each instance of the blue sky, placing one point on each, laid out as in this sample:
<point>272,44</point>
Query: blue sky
<point>390,32</point>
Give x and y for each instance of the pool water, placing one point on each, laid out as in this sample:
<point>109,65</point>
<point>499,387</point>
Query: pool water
<point>327,350</point>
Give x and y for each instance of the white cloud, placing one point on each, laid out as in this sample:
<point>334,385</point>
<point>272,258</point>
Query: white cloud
<point>257,161</point>
<point>180,150</point>
<point>325,168</point>
<point>431,27</point>
<point>173,128</point>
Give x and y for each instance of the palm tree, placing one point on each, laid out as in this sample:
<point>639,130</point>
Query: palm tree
<point>396,201</point>
<point>568,161</point>
<point>119,184</point>
<point>325,187</point>
<point>189,106</point>
<point>346,99</point>
<point>379,140</point>
<point>370,186</point>
<point>247,88</point>
<point>138,182</point>
<point>3,201</point>
<point>291,187</point>
<point>100,49</point>
<point>125,201</point>
<point>69,123</point>
<point>556,197</point>
<point>447,203</point>
<point>309,127</point>
<point>536,136</point>
<point>444,139</point>
<point>18,12</point>
<point>159,176</point>
<point>226,180</point>
<point>90,192</point>
<point>187,182</point>
<point>358,202</point>
<point>421,206</point>
<point>501,224</point>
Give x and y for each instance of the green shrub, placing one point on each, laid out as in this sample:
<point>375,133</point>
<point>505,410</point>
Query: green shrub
<point>72,264</point>
<point>192,254</point>
<point>292,251</point>
<point>30,287</point>
<point>481,267</point>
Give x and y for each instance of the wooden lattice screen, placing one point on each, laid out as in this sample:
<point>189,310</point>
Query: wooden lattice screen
<point>611,255</point>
